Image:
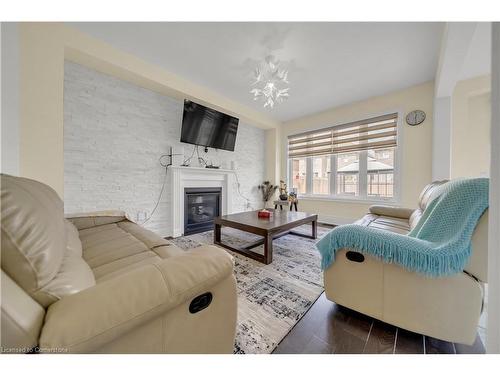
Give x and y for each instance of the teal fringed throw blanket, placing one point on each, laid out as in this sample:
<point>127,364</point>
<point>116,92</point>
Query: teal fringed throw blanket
<point>439,245</point>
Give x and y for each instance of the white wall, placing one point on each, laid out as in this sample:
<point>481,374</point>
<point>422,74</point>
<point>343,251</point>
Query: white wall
<point>416,142</point>
<point>43,47</point>
<point>465,52</point>
<point>470,128</point>
<point>441,146</point>
<point>10,99</point>
<point>493,338</point>
<point>114,133</point>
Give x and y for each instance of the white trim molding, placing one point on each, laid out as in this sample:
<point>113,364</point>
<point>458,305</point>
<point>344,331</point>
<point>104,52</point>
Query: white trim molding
<point>441,139</point>
<point>193,177</point>
<point>455,44</point>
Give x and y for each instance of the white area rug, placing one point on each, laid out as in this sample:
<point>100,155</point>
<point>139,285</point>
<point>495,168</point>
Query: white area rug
<point>271,298</point>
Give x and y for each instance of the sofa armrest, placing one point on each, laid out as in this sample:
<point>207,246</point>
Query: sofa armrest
<point>399,212</point>
<point>85,321</point>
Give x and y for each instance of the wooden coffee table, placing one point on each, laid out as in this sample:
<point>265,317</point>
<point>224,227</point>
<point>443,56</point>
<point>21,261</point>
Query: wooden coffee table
<point>278,225</point>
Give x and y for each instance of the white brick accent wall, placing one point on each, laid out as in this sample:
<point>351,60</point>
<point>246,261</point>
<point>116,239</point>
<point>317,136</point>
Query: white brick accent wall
<point>114,134</point>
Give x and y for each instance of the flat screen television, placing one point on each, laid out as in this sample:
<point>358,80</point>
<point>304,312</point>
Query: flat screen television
<point>207,127</point>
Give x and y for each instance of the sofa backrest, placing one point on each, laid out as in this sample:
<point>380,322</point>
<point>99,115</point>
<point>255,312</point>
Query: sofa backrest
<point>33,234</point>
<point>41,251</point>
<point>423,201</point>
<point>41,258</point>
<point>478,263</point>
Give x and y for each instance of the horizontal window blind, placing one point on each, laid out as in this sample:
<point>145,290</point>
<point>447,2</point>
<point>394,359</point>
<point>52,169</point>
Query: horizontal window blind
<point>376,132</point>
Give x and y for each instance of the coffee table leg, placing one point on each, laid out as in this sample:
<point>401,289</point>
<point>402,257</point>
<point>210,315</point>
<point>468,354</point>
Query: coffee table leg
<point>268,248</point>
<point>217,231</point>
<point>314,225</point>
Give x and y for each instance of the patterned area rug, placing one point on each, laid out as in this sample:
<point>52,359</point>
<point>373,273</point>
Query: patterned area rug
<point>271,298</point>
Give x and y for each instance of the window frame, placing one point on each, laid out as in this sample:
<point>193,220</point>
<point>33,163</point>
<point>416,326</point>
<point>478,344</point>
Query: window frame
<point>363,196</point>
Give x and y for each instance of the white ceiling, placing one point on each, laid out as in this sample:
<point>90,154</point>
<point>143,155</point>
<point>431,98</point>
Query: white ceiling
<point>330,63</point>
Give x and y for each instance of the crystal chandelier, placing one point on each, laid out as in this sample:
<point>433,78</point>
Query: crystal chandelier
<point>270,82</point>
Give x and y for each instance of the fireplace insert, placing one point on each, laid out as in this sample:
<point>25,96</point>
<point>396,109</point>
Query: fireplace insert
<point>201,207</point>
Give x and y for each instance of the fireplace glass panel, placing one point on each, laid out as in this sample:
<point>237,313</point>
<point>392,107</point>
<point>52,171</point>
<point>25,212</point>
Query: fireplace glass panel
<point>202,206</point>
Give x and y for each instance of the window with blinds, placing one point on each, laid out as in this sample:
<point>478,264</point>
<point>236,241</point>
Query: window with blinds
<point>373,133</point>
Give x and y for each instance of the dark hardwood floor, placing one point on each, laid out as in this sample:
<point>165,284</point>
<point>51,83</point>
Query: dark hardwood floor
<point>330,328</point>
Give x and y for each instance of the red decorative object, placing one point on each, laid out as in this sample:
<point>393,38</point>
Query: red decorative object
<point>264,214</point>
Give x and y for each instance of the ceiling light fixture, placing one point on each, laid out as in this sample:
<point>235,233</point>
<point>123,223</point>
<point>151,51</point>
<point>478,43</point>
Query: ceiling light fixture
<point>270,81</point>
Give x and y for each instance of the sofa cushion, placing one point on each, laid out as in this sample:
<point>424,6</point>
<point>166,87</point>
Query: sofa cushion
<point>73,243</point>
<point>33,234</point>
<point>427,194</point>
<point>168,251</point>
<point>124,265</point>
<point>113,249</point>
<point>392,224</point>
<point>97,235</point>
<point>92,219</point>
<point>74,276</point>
<point>425,197</point>
<point>400,220</point>
<point>149,238</point>
<point>366,220</point>
<point>415,217</point>
<point>399,212</point>
<point>120,244</point>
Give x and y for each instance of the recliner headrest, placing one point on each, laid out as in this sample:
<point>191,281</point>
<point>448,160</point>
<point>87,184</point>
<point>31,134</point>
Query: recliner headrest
<point>33,234</point>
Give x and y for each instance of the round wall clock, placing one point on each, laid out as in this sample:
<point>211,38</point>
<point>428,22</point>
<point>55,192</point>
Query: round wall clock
<point>415,117</point>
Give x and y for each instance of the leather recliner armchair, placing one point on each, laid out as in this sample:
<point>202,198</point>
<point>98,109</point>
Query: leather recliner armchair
<point>100,283</point>
<point>447,308</point>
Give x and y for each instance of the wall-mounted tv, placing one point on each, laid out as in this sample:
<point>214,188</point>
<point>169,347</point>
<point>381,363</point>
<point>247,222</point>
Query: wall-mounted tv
<point>207,127</point>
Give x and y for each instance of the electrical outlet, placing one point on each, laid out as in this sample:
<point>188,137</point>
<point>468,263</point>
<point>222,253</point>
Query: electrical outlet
<point>142,216</point>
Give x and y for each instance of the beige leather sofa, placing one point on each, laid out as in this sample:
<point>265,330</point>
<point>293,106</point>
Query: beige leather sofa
<point>446,308</point>
<point>103,284</point>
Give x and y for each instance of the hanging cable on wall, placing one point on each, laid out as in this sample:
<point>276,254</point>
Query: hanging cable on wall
<point>164,165</point>
<point>200,159</point>
<point>238,189</point>
<point>186,161</point>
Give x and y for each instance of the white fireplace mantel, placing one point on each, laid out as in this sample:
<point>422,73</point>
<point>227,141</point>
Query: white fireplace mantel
<point>195,177</point>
